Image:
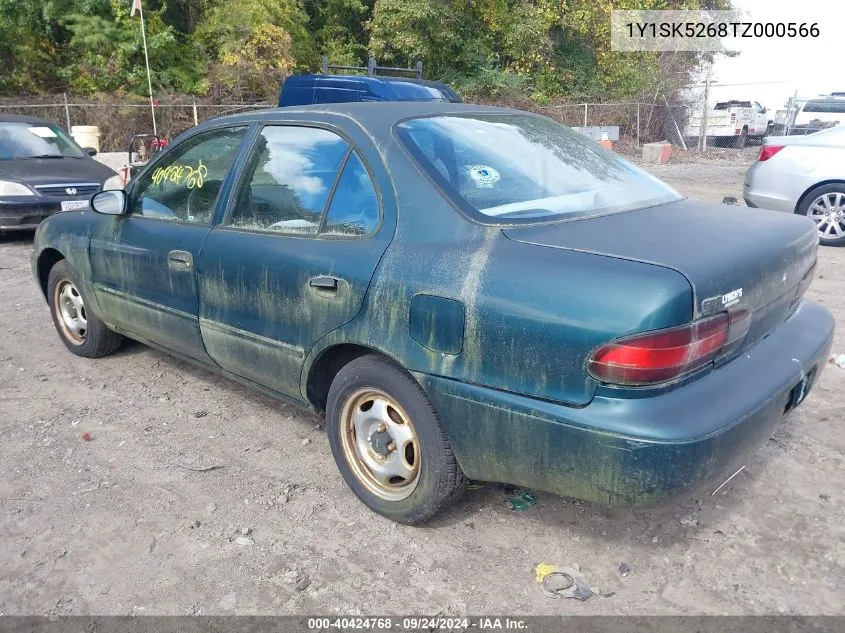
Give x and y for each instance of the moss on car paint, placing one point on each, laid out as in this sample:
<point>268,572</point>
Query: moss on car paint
<point>532,313</point>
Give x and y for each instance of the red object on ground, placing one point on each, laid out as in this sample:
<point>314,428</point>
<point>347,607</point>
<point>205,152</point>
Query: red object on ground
<point>86,436</point>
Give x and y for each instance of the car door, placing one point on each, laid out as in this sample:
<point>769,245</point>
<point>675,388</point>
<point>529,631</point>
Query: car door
<point>294,256</point>
<point>143,262</point>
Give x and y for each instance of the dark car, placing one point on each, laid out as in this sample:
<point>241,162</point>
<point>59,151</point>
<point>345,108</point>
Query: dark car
<point>467,292</point>
<point>299,90</point>
<point>43,171</point>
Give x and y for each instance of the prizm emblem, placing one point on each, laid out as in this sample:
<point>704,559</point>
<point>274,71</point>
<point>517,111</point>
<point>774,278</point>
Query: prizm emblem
<point>71,191</point>
<point>732,297</point>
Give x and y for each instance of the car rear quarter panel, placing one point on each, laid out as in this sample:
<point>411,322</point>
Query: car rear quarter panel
<point>781,181</point>
<point>531,314</point>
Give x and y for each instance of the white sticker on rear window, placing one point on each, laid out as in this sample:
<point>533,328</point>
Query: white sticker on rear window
<point>43,132</point>
<point>483,175</point>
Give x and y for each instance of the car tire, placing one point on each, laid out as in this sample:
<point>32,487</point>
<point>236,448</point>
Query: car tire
<point>740,141</point>
<point>404,469</point>
<point>825,205</point>
<point>78,327</point>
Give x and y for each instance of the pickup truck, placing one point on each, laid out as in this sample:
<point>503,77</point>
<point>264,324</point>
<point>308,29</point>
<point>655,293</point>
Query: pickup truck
<point>730,122</point>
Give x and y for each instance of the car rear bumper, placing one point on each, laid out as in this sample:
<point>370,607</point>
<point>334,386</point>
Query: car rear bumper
<point>768,185</point>
<point>25,213</point>
<point>766,201</point>
<point>636,451</point>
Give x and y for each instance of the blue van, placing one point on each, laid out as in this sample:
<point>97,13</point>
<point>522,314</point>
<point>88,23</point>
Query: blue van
<point>311,89</point>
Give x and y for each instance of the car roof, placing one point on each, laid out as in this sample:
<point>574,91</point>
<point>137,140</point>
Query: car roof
<point>367,114</point>
<point>370,79</point>
<point>14,118</point>
<point>384,88</point>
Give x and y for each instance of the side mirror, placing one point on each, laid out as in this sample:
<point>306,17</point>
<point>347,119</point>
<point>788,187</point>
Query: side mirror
<point>109,202</point>
<point>763,110</point>
<point>90,151</point>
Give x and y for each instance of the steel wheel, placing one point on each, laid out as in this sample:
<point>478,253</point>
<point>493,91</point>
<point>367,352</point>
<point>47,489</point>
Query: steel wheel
<point>70,310</point>
<point>380,444</point>
<point>828,212</point>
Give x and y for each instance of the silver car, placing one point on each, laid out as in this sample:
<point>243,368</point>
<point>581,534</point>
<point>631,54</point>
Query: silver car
<point>803,174</point>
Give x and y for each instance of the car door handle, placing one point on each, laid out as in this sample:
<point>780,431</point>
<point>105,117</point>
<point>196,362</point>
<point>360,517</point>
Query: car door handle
<point>180,260</point>
<point>328,284</point>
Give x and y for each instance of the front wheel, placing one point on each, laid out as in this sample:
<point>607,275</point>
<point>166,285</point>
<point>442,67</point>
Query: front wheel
<point>825,205</point>
<point>78,327</point>
<point>388,442</point>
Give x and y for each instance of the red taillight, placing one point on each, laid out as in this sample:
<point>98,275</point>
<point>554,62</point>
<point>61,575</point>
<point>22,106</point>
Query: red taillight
<point>767,151</point>
<point>661,355</point>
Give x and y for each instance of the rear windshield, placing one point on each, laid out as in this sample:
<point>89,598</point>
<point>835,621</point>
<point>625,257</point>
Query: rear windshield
<point>727,105</point>
<point>825,106</point>
<point>20,140</point>
<point>521,168</point>
<point>408,91</point>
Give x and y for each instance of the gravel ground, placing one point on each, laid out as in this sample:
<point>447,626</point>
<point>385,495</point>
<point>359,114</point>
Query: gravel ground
<point>195,495</point>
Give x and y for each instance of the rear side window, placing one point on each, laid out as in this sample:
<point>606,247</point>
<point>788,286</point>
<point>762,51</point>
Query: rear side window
<point>288,179</point>
<point>354,207</point>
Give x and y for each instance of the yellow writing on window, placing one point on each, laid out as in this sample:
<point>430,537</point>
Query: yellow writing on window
<point>188,175</point>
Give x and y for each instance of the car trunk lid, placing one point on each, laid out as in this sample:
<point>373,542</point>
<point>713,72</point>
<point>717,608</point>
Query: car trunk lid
<point>735,258</point>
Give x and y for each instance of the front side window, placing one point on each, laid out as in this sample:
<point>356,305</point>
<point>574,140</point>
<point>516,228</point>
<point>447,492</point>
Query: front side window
<point>516,168</point>
<point>19,140</point>
<point>288,179</point>
<point>184,184</point>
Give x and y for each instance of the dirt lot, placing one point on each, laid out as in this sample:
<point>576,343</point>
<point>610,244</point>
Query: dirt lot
<point>130,523</point>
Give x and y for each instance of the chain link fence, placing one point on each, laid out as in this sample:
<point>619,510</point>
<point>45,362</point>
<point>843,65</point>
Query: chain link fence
<point>808,114</point>
<point>737,115</point>
<point>638,123</point>
<point>119,119</point>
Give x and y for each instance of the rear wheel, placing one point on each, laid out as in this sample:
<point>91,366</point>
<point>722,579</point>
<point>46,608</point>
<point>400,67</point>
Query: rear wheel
<point>742,139</point>
<point>388,442</point>
<point>78,327</point>
<point>825,205</point>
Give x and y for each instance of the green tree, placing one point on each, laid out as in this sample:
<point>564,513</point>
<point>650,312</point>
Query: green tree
<point>512,50</point>
<point>105,53</point>
<point>339,29</point>
<point>449,36</point>
<point>253,44</point>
